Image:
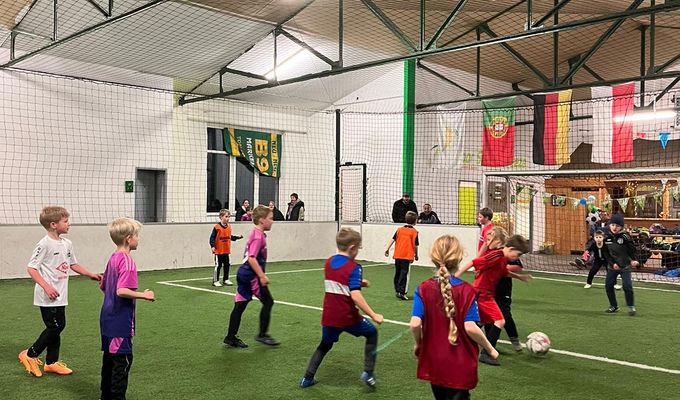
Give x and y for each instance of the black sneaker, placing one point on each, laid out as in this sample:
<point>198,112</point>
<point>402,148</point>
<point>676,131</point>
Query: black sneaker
<point>580,264</point>
<point>486,359</point>
<point>268,340</point>
<point>235,342</point>
<point>611,310</point>
<point>402,296</point>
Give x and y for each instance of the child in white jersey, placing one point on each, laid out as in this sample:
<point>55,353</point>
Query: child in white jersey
<point>51,260</point>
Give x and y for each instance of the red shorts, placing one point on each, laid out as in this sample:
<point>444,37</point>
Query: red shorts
<point>488,310</point>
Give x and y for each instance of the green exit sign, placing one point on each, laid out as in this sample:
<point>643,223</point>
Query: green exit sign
<point>129,186</point>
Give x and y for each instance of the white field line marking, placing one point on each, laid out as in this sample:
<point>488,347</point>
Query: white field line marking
<point>292,271</point>
<point>563,352</point>
<point>602,284</point>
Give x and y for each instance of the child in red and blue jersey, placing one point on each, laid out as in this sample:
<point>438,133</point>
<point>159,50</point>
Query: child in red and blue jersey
<point>343,283</point>
<point>252,281</point>
<point>444,326</point>
<point>489,269</point>
<point>117,317</point>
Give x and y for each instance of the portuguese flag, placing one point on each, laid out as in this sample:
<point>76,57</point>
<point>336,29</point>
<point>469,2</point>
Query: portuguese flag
<point>498,148</point>
<point>551,128</point>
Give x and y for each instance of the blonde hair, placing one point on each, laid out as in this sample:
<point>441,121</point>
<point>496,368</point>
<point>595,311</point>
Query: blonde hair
<point>498,234</point>
<point>446,253</point>
<point>347,237</point>
<point>261,212</point>
<point>411,217</point>
<point>224,212</point>
<point>121,228</point>
<point>51,214</point>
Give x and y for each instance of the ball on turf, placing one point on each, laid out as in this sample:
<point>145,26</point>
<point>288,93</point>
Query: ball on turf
<point>538,343</point>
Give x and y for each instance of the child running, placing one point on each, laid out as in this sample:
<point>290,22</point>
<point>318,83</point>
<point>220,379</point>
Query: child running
<point>49,265</point>
<point>343,283</point>
<point>444,326</point>
<point>220,243</point>
<point>252,281</point>
<point>489,269</point>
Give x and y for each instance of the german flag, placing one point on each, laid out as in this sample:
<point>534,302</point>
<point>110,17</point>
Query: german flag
<point>551,128</point>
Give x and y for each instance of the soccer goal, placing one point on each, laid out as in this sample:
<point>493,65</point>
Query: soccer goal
<point>558,211</point>
<point>352,196</point>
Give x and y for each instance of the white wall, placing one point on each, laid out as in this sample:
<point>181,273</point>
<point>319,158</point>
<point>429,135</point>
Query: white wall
<point>168,246</point>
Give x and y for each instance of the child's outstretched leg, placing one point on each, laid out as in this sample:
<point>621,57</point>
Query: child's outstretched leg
<point>231,339</point>
<point>609,283</point>
<point>321,350</point>
<point>371,334</point>
<point>591,275</point>
<point>510,326</point>
<point>265,316</point>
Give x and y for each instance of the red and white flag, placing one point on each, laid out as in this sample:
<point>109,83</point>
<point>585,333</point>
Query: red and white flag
<point>612,123</point>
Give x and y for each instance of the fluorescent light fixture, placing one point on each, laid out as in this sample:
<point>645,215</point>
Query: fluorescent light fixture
<point>288,64</point>
<point>648,116</point>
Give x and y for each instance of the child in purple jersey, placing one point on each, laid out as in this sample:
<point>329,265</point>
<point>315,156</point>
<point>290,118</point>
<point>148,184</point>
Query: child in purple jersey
<point>252,281</point>
<point>117,318</point>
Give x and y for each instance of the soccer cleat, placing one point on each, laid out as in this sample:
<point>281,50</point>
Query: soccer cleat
<point>228,283</point>
<point>632,311</point>
<point>611,310</point>
<point>305,383</point>
<point>217,284</point>
<point>486,359</point>
<point>617,286</point>
<point>266,339</point>
<point>235,342</point>
<point>587,286</point>
<point>32,365</point>
<point>402,296</point>
<point>58,368</point>
<point>516,345</point>
<point>368,379</point>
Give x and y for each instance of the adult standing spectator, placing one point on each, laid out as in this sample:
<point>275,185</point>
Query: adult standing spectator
<point>428,216</point>
<point>278,215</point>
<point>296,209</point>
<point>401,207</point>
<point>484,218</point>
<point>242,209</point>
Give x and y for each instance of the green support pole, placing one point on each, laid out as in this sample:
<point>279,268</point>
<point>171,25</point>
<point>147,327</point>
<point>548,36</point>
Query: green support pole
<point>409,125</point>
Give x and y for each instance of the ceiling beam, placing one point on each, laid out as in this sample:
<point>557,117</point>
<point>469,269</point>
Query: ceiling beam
<point>85,31</point>
<point>567,26</point>
<point>592,73</point>
<point>99,8</point>
<point>507,10</point>
<point>668,63</point>
<point>444,78</point>
<point>585,57</point>
<point>227,70</point>
<point>307,47</point>
<point>389,24</point>
<point>517,56</point>
<point>664,91</point>
<point>456,10</point>
<point>550,13</point>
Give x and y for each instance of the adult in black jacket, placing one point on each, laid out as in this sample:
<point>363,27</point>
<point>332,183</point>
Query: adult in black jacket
<point>241,209</point>
<point>401,207</point>
<point>296,209</point>
<point>278,215</point>
<point>428,216</point>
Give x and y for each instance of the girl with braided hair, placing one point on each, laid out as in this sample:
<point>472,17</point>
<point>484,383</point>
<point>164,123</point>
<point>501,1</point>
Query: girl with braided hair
<point>444,326</point>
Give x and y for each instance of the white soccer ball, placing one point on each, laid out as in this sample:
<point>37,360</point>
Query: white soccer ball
<point>593,218</point>
<point>538,343</point>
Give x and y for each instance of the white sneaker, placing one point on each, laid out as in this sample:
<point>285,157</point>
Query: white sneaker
<point>217,284</point>
<point>587,286</point>
<point>617,287</point>
<point>229,283</point>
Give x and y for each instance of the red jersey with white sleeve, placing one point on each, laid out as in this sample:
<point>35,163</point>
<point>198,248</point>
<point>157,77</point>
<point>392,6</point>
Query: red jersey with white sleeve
<point>489,269</point>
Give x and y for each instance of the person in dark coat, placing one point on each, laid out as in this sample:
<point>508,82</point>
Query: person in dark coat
<point>296,209</point>
<point>401,207</point>
<point>278,215</point>
<point>242,209</point>
<point>428,216</point>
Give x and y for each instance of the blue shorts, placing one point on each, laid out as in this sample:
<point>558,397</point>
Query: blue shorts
<point>247,285</point>
<point>331,334</point>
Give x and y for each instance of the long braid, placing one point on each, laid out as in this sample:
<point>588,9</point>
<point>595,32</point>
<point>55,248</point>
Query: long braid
<point>449,306</point>
<point>446,253</point>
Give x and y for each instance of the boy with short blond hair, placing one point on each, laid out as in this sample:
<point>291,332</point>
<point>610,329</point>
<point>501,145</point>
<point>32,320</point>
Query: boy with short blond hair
<point>49,266</point>
<point>117,317</point>
<point>405,251</point>
<point>220,243</point>
<point>343,282</point>
<point>252,281</point>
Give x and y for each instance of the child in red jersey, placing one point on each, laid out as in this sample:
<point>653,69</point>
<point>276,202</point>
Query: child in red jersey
<point>444,326</point>
<point>489,269</point>
<point>343,283</point>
